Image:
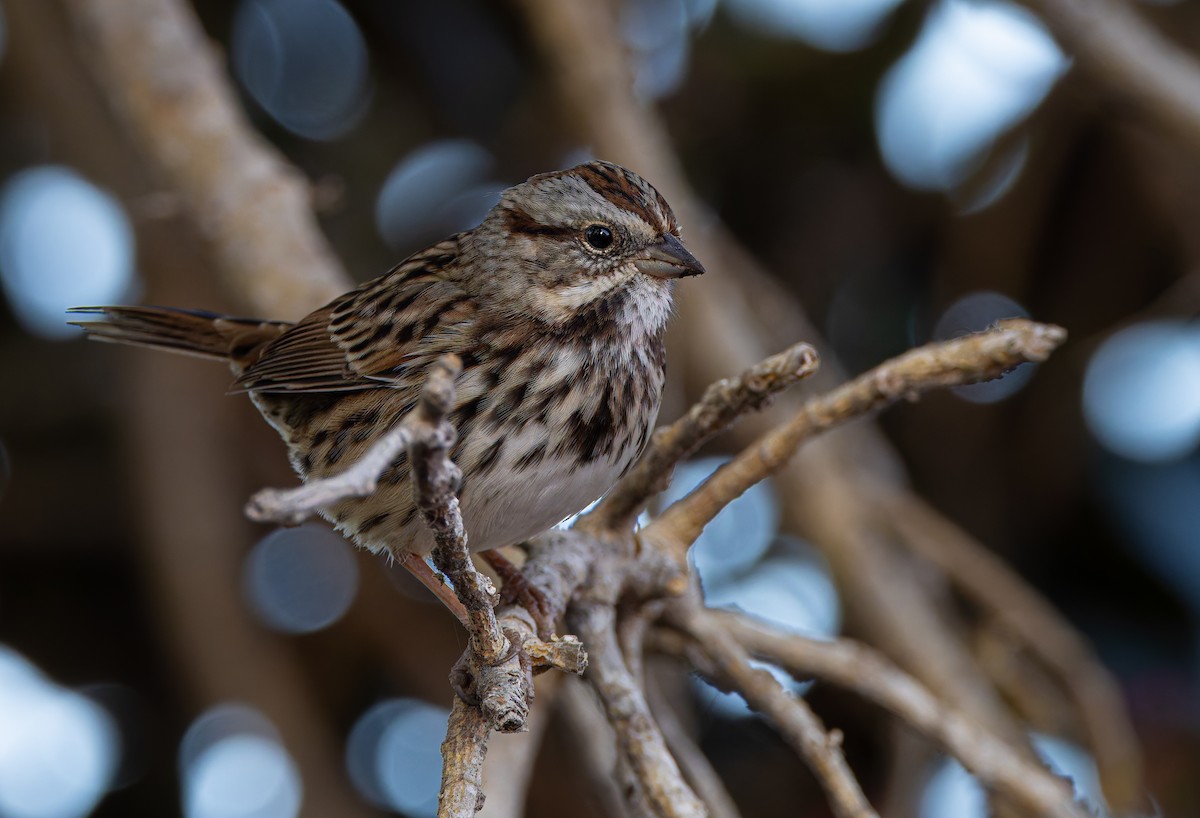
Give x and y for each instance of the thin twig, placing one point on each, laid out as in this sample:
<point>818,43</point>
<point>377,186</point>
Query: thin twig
<point>435,481</point>
<point>722,403</point>
<point>582,716</point>
<point>639,741</point>
<point>697,769</point>
<point>856,667</point>
<point>295,505</point>
<point>970,359</point>
<point>791,716</point>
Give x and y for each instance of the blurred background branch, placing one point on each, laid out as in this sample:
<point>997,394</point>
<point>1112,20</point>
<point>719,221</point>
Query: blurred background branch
<point>163,78</point>
<point>1132,61</point>
<point>905,171</point>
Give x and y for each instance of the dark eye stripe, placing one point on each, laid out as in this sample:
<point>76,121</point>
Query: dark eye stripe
<point>519,221</point>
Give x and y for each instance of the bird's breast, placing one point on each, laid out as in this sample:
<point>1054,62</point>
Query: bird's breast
<point>553,438</point>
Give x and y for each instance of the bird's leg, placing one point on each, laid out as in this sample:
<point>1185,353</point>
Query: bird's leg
<point>435,582</point>
<point>521,591</point>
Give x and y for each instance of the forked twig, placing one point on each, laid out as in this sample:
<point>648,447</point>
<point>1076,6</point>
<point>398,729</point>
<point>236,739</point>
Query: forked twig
<point>800,727</point>
<point>722,403</point>
<point>639,742</point>
<point>861,669</point>
<point>971,359</point>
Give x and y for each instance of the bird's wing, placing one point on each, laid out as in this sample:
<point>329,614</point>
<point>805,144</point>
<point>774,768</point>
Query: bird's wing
<point>369,338</point>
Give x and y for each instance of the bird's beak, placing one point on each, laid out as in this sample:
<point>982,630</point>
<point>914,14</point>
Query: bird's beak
<point>667,258</point>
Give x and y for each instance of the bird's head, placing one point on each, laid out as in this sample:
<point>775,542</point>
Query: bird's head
<point>595,238</point>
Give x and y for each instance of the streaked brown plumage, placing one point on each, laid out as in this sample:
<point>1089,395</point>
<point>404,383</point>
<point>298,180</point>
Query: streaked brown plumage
<point>556,304</point>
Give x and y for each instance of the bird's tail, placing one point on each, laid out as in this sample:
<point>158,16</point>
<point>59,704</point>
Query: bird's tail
<point>192,332</point>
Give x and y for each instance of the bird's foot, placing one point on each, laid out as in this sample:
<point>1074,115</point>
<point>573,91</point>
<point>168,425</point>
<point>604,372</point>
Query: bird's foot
<point>519,590</point>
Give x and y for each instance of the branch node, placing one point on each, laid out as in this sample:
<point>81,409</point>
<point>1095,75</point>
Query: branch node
<point>566,653</point>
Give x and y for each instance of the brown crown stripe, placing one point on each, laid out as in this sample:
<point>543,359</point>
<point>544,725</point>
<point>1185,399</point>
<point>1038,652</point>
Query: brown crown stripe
<point>618,189</point>
<point>617,186</point>
<point>624,190</point>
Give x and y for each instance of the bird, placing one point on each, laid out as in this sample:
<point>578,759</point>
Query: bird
<point>556,304</point>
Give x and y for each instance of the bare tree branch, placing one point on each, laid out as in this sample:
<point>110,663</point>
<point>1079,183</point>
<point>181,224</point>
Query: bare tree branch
<point>696,767</point>
<point>856,667</point>
<point>722,403</point>
<point>791,716</point>
<point>587,63</point>
<point>970,359</point>
<point>463,751</point>
<point>639,740</point>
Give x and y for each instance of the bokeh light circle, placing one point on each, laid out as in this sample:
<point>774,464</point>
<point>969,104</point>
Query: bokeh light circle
<point>233,765</point>
<point>304,62</point>
<point>58,749</point>
<point>975,312</point>
<point>977,69</point>
<point>63,243</point>
<point>394,755</point>
<point>436,189</point>
<point>658,35</point>
<point>243,776</point>
<point>1141,391</point>
<point>300,580</point>
<point>739,536</point>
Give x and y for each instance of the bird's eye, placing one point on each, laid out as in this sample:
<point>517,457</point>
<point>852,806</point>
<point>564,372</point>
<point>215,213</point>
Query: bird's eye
<point>598,236</point>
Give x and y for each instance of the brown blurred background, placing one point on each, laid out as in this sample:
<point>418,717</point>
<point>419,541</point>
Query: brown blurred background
<point>908,170</point>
